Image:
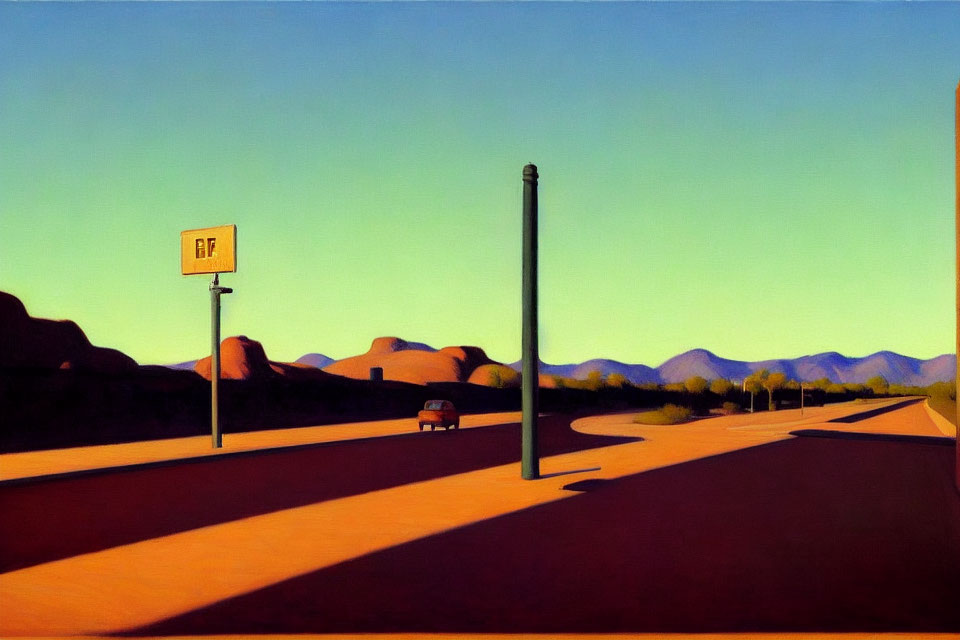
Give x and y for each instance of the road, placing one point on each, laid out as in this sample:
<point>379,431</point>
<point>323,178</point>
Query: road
<point>724,524</point>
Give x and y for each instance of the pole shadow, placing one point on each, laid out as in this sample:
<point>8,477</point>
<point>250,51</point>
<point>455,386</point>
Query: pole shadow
<point>573,471</point>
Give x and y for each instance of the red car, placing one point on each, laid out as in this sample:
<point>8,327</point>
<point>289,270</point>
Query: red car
<point>439,413</point>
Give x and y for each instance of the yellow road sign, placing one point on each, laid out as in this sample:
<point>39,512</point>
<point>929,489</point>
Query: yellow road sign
<point>211,250</point>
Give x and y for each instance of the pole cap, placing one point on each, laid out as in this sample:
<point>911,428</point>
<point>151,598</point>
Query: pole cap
<point>530,173</point>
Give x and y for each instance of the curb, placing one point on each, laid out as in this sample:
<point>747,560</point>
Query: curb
<point>946,427</point>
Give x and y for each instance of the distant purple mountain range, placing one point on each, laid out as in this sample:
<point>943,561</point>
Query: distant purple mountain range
<point>317,360</point>
<point>896,368</point>
<point>182,366</point>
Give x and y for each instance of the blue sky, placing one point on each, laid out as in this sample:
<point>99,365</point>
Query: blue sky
<point>759,179</point>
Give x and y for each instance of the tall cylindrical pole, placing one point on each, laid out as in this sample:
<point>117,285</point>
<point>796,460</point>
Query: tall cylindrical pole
<point>215,361</point>
<point>957,217</point>
<point>530,458</point>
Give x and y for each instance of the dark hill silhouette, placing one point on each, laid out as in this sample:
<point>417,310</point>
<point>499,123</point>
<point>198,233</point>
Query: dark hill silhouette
<point>35,343</point>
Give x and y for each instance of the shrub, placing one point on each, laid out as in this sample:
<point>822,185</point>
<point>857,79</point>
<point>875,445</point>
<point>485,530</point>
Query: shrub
<point>729,408</point>
<point>595,381</point>
<point>878,385</point>
<point>497,376</point>
<point>721,387</point>
<point>822,383</point>
<point>617,380</point>
<point>676,412</point>
<point>668,414</point>
<point>943,390</point>
<point>695,384</point>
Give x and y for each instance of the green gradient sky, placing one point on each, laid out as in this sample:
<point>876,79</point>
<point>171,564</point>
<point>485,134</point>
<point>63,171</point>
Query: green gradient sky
<point>762,180</point>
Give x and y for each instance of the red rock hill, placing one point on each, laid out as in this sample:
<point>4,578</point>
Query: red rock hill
<point>401,362</point>
<point>244,359</point>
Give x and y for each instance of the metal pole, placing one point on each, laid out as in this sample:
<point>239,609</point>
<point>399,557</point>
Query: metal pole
<point>530,460</point>
<point>215,361</point>
<point>801,398</point>
<point>215,291</point>
<point>957,216</point>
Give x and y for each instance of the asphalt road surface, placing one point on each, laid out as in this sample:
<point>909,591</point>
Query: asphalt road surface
<point>722,525</point>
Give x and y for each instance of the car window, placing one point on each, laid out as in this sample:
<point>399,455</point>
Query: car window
<point>434,404</point>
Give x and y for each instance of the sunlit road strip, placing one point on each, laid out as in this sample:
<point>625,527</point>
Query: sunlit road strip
<point>129,586</point>
<point>779,423</point>
<point>39,463</point>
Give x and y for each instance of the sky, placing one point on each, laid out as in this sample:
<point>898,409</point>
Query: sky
<point>763,180</point>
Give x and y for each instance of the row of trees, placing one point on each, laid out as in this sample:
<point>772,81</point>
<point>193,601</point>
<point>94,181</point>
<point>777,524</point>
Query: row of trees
<point>759,382</point>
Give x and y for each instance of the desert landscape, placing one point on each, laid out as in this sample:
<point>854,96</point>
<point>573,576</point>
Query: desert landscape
<point>486,320</point>
<point>376,528</point>
<point>836,518</point>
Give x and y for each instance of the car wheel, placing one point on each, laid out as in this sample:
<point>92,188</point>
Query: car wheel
<point>421,426</point>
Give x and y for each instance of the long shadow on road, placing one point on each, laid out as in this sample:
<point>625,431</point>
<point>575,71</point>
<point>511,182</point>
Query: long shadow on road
<point>60,518</point>
<point>863,415</point>
<point>808,534</point>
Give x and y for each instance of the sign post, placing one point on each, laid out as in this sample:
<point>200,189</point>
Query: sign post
<point>204,251</point>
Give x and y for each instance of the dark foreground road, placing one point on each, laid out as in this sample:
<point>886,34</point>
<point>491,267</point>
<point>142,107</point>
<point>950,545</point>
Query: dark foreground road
<point>723,525</point>
<point>810,534</point>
